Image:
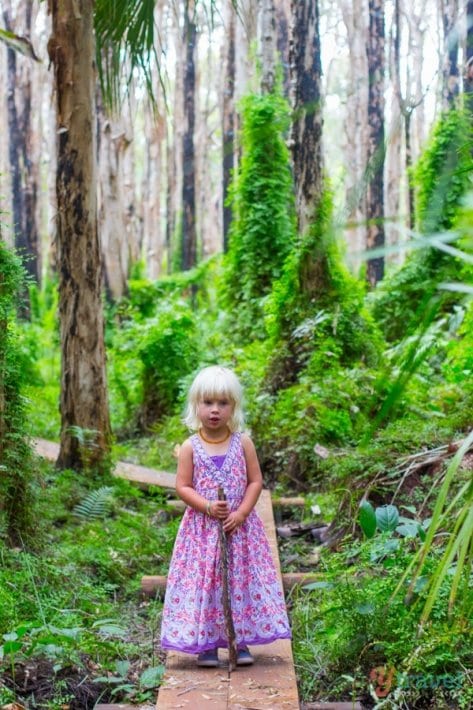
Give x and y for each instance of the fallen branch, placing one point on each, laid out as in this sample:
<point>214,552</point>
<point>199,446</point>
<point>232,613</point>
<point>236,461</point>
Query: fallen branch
<point>226,597</point>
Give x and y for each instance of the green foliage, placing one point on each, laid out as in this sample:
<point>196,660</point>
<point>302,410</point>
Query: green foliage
<point>18,482</point>
<point>263,226</point>
<point>74,606</point>
<point>442,178</point>
<point>346,626</point>
<point>442,174</point>
<point>150,359</point>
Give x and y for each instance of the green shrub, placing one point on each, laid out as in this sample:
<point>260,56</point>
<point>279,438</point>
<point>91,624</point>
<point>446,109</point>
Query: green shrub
<point>18,482</point>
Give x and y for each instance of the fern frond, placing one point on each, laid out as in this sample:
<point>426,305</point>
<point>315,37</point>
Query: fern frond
<point>95,505</point>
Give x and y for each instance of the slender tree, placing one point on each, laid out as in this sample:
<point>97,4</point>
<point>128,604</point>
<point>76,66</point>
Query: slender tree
<point>22,168</point>
<point>83,377</point>
<point>228,117</point>
<point>450,73</point>
<point>306,139</point>
<point>468,78</point>
<point>376,150</point>
<point>268,45</point>
<point>189,233</point>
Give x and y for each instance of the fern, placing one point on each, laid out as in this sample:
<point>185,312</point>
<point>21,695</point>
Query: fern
<point>95,505</point>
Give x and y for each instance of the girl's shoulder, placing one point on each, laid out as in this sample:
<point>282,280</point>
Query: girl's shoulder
<point>246,441</point>
<point>186,448</point>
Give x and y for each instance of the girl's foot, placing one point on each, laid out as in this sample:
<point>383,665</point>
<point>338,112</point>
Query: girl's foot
<point>208,659</point>
<point>244,657</point>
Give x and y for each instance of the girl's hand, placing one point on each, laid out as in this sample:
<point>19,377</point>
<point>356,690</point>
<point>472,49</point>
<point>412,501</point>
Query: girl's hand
<point>219,509</point>
<point>233,521</point>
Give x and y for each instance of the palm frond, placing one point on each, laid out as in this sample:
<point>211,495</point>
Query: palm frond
<point>125,37</point>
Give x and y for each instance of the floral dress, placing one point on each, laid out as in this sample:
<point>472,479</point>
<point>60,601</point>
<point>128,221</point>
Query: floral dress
<point>193,619</point>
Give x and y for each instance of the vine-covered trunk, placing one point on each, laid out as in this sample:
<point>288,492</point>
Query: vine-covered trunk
<point>83,377</point>
<point>306,73</point>
<point>189,233</point>
<point>228,119</point>
<point>376,148</point>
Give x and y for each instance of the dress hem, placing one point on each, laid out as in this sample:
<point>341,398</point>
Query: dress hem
<point>222,643</point>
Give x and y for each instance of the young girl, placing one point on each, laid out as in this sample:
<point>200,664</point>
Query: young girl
<point>220,455</point>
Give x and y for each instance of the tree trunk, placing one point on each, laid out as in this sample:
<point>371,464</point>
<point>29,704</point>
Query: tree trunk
<point>450,75</point>
<point>356,121</point>
<point>306,140</point>
<point>228,117</point>
<point>376,148</point>
<point>189,233</point>
<point>83,377</point>
<point>268,45</point>
<point>468,77</point>
<point>113,143</point>
<point>22,166</point>
<point>283,23</point>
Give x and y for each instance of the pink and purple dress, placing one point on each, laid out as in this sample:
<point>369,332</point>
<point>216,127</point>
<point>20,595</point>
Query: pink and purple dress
<point>193,619</point>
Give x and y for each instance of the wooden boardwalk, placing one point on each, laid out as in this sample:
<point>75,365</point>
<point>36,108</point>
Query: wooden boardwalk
<point>270,684</point>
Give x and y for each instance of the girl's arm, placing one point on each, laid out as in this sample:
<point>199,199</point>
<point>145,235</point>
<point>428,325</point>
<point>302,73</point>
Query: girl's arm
<point>185,486</point>
<point>253,489</point>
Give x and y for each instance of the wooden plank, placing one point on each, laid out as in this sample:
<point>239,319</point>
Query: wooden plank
<point>130,471</point>
<point>152,583</point>
<point>142,474</point>
<point>187,686</point>
<point>46,449</point>
<point>269,683</point>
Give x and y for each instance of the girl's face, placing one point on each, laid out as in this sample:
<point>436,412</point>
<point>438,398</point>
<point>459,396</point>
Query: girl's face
<point>215,412</point>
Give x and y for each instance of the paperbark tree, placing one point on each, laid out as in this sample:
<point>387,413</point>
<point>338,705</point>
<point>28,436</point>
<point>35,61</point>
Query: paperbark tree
<point>450,71</point>
<point>356,22</point>
<point>268,45</point>
<point>189,232</point>
<point>306,139</point>
<point>228,116</point>
<point>468,75</point>
<point>24,178</point>
<point>83,377</point>
<point>376,149</point>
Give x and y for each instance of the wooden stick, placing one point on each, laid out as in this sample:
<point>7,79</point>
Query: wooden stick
<point>226,597</point>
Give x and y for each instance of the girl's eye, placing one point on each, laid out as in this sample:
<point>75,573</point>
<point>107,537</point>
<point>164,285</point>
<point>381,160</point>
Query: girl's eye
<point>223,403</point>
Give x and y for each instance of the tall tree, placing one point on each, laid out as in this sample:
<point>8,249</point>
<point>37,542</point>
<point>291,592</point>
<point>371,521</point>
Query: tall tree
<point>228,116</point>
<point>83,377</point>
<point>468,78</point>
<point>450,71</point>
<point>268,45</point>
<point>306,139</point>
<point>22,166</point>
<point>376,148</point>
<point>189,232</point>
<point>355,18</point>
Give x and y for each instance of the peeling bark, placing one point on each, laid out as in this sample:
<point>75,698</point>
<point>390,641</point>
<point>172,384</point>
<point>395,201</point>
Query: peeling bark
<point>83,377</point>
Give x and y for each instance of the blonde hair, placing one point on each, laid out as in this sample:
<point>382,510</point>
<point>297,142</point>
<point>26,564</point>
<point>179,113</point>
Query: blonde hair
<point>215,381</point>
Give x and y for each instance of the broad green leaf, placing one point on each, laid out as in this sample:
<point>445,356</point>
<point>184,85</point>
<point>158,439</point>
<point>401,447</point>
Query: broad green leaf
<point>151,677</point>
<point>387,518</point>
<point>367,518</point>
